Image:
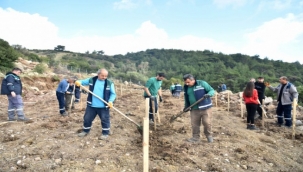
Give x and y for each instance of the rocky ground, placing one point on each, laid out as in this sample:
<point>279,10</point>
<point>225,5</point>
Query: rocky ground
<point>50,142</point>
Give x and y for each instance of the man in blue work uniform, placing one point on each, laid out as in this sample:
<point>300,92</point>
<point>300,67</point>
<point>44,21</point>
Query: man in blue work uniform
<point>286,93</point>
<point>12,87</point>
<point>60,93</point>
<point>178,89</point>
<point>105,89</point>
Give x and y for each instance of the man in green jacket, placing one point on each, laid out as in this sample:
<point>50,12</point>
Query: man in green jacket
<point>151,90</point>
<point>193,91</point>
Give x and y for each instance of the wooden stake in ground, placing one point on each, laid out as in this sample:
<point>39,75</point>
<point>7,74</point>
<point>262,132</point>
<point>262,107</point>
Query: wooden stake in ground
<point>147,108</point>
<point>294,106</point>
<point>228,102</point>
<point>158,114</point>
<point>145,144</point>
<point>263,114</point>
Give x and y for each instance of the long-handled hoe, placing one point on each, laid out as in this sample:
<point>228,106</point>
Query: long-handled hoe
<point>139,127</point>
<point>174,117</point>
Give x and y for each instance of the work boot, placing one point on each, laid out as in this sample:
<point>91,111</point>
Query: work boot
<point>103,137</point>
<point>253,127</point>
<point>82,134</point>
<point>279,124</point>
<point>23,119</point>
<point>210,139</point>
<point>11,119</point>
<point>248,126</point>
<point>64,114</point>
<point>193,140</point>
<point>151,122</point>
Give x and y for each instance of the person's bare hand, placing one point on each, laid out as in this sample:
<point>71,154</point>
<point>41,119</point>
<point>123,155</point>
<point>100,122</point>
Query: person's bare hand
<point>13,94</point>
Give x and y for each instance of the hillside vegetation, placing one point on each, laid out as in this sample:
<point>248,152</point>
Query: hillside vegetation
<point>232,69</point>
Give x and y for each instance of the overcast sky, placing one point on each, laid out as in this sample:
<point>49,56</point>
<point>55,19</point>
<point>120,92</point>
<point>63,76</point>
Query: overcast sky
<point>268,28</point>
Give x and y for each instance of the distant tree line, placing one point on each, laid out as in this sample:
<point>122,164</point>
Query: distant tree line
<point>234,70</point>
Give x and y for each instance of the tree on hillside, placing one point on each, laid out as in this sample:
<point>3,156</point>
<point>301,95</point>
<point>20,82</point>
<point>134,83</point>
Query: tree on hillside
<point>17,47</point>
<point>100,52</point>
<point>59,48</point>
<point>7,56</point>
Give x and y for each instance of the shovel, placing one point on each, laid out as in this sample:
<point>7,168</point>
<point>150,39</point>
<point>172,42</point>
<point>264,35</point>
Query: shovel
<point>139,127</point>
<point>174,117</point>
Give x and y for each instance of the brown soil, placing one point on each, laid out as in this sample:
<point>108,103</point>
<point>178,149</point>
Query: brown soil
<point>50,142</point>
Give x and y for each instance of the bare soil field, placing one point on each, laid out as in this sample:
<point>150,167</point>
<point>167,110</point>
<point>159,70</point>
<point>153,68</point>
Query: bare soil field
<point>50,142</point>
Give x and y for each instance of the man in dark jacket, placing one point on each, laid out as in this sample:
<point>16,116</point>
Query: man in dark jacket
<point>12,87</point>
<point>260,87</point>
<point>60,93</point>
<point>178,89</point>
<point>193,91</point>
<point>286,93</point>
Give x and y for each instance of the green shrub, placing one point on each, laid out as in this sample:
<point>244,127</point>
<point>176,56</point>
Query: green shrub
<point>40,68</point>
<point>55,78</point>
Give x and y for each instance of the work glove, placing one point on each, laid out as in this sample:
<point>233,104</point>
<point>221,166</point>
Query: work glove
<point>110,105</point>
<point>160,98</point>
<point>13,94</point>
<point>78,83</point>
<point>267,84</point>
<point>206,96</point>
<point>186,110</point>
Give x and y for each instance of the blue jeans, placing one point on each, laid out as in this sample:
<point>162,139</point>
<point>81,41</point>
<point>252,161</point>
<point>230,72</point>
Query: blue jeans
<point>15,104</point>
<point>286,110</point>
<point>90,115</point>
<point>60,97</point>
<point>151,116</point>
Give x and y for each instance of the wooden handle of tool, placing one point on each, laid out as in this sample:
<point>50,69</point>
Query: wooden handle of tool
<point>108,105</point>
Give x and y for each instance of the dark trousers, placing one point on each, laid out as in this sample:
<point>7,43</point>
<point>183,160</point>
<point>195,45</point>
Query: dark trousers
<point>251,111</point>
<point>151,116</point>
<point>259,109</point>
<point>90,115</point>
<point>77,95</point>
<point>60,97</point>
<point>286,110</point>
